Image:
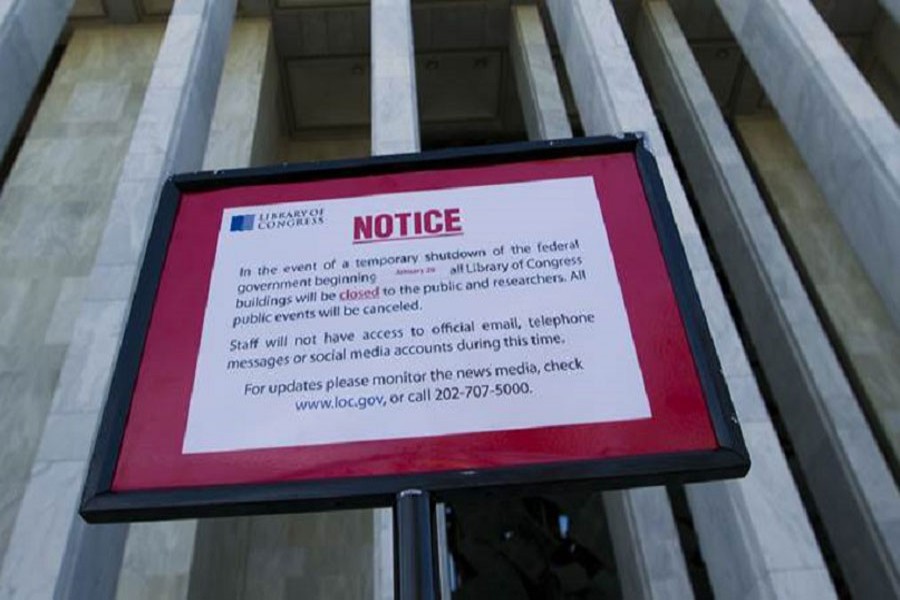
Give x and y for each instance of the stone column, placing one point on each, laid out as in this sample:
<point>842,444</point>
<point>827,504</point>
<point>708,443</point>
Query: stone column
<point>51,220</point>
<point>52,552</point>
<point>246,124</point>
<point>205,559</point>
<point>849,141</point>
<point>542,100</point>
<point>395,130</point>
<point>833,440</point>
<point>777,557</point>
<point>645,541</point>
<point>395,108</point>
<point>28,31</point>
<point>644,536</point>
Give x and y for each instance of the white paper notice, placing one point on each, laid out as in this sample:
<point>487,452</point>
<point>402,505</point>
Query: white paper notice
<point>410,315</point>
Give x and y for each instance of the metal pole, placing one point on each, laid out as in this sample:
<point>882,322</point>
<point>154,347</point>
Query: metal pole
<point>414,534</point>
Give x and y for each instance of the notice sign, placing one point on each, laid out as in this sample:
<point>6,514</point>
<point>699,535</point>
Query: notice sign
<point>415,314</point>
<point>439,324</point>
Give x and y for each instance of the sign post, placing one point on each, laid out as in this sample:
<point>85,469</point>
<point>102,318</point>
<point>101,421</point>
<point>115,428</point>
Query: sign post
<point>400,330</point>
<point>414,546</point>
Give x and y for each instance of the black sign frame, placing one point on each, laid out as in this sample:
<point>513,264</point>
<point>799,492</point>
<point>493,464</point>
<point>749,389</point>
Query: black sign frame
<point>100,503</point>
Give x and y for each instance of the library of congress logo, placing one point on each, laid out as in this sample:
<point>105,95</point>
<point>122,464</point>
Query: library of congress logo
<point>242,222</point>
<point>278,219</point>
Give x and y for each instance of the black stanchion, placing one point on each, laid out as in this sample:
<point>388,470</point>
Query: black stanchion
<point>416,576</point>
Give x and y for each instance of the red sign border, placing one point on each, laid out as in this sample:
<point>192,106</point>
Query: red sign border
<point>145,417</point>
